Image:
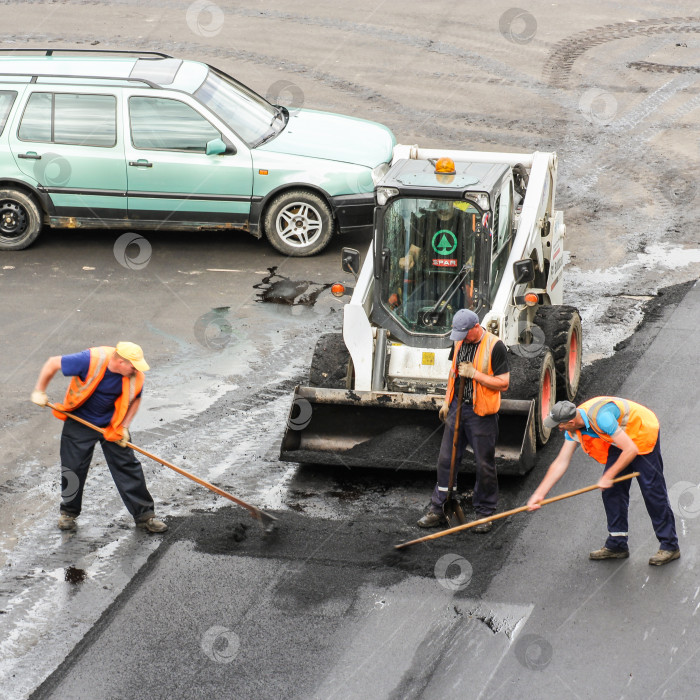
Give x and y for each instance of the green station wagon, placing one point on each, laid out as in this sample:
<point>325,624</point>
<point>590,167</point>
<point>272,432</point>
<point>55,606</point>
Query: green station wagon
<point>141,140</point>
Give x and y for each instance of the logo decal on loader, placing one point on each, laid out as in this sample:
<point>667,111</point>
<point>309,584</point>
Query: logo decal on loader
<point>444,242</point>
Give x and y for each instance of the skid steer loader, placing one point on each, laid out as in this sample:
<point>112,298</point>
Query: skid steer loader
<point>452,229</point>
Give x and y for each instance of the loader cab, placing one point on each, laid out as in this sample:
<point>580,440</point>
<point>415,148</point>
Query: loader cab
<point>435,248</point>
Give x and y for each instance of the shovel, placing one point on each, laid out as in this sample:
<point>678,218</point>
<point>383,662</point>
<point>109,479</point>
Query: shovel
<point>265,519</point>
<point>506,513</point>
<point>451,508</point>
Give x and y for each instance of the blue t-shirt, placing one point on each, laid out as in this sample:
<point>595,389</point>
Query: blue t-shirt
<point>607,421</point>
<point>99,408</point>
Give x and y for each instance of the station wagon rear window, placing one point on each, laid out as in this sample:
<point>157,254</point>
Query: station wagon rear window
<point>7,99</point>
<point>68,118</point>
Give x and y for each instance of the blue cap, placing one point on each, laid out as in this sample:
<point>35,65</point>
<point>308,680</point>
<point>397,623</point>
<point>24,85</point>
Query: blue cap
<point>464,320</point>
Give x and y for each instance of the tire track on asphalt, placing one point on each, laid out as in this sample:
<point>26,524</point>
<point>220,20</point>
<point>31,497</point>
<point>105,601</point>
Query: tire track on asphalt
<point>559,64</point>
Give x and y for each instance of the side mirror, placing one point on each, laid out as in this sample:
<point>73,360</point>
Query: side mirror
<point>350,261</point>
<point>215,147</point>
<point>523,270</point>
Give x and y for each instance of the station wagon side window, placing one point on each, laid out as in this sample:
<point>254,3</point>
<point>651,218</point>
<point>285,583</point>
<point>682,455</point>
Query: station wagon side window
<point>159,123</point>
<point>70,118</point>
<point>7,99</point>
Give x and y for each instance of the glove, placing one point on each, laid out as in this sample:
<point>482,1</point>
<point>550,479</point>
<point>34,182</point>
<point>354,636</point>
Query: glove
<point>39,397</point>
<point>466,369</point>
<point>443,411</point>
<point>126,437</point>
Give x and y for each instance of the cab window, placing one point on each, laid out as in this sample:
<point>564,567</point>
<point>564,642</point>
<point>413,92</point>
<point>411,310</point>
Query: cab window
<point>501,237</point>
<point>68,118</point>
<point>159,123</point>
<point>431,262</point>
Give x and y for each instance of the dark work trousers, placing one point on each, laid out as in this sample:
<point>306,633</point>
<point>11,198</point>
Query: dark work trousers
<point>651,481</point>
<point>77,445</point>
<point>481,433</point>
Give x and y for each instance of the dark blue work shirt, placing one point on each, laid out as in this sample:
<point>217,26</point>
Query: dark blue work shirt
<point>99,408</point>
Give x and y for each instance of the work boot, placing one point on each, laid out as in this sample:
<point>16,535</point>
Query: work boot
<point>483,528</point>
<point>663,556</point>
<point>152,525</point>
<point>605,553</point>
<point>66,522</point>
<point>431,519</point>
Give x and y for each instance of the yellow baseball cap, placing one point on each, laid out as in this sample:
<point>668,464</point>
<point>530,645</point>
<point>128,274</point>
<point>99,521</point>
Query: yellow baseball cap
<point>133,353</point>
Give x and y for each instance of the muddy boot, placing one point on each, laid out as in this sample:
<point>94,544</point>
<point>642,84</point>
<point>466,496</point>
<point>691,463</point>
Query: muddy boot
<point>663,556</point>
<point>152,525</point>
<point>605,553</point>
<point>431,519</point>
<point>67,522</point>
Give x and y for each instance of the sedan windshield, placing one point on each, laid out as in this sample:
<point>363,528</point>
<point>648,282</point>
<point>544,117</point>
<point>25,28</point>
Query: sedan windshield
<point>254,119</point>
<point>430,273</point>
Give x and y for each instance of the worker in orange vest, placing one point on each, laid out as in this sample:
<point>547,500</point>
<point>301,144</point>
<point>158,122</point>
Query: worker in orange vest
<point>105,389</point>
<point>482,359</point>
<point>624,437</point>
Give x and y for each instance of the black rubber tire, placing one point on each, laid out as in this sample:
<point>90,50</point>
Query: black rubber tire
<point>330,364</point>
<point>20,220</point>
<point>319,213</point>
<point>533,376</point>
<point>562,333</point>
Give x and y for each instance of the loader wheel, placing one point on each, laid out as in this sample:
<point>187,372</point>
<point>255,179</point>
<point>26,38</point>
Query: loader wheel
<point>330,365</point>
<point>533,377</point>
<point>562,333</point>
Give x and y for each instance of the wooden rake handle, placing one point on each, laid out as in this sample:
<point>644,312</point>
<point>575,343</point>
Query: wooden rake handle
<point>506,513</point>
<point>255,512</point>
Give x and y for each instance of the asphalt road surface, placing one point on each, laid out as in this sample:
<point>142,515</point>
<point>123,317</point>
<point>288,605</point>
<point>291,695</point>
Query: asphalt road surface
<point>326,607</point>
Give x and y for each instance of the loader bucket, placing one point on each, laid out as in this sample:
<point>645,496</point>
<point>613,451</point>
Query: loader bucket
<point>392,431</point>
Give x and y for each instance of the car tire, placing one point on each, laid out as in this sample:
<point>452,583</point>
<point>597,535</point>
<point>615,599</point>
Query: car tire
<point>298,223</point>
<point>20,220</point>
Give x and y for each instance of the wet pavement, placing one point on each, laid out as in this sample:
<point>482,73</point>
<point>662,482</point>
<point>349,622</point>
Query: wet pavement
<point>326,608</point>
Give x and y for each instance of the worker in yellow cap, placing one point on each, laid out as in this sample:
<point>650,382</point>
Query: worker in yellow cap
<point>105,390</point>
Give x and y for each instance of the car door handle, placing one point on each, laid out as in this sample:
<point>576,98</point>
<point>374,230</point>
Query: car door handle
<point>141,163</point>
<point>29,155</point>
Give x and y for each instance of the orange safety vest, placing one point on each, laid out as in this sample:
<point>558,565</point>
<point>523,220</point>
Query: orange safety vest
<point>486,401</point>
<point>639,422</point>
<point>79,391</point>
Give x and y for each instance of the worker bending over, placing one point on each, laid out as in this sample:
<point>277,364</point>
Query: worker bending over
<point>105,390</point>
<point>623,436</point>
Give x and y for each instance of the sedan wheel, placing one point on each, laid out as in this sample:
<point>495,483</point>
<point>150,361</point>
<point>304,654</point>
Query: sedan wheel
<point>299,223</point>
